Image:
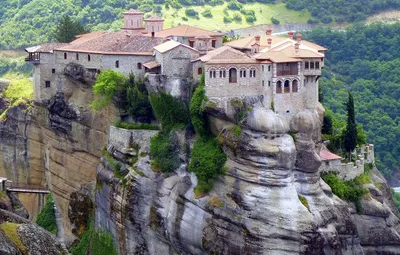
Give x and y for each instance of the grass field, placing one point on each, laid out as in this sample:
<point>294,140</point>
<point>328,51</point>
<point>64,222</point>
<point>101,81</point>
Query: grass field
<point>264,13</point>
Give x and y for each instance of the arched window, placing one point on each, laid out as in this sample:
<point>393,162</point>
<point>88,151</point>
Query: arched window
<point>222,73</point>
<point>278,87</point>
<point>117,64</point>
<point>88,58</point>
<point>242,73</point>
<point>233,75</point>
<point>139,65</point>
<point>252,73</point>
<point>287,86</point>
<point>213,74</point>
<point>65,55</point>
<point>199,71</point>
<point>295,86</point>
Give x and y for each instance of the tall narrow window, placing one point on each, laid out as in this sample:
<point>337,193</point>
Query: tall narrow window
<point>53,70</point>
<point>88,58</point>
<point>263,68</point>
<point>295,86</point>
<point>232,75</point>
<point>252,73</point>
<point>307,65</point>
<point>311,65</point>
<point>213,43</point>
<point>77,56</point>
<point>317,65</point>
<point>278,87</point>
<point>139,65</point>
<point>191,44</point>
<point>47,84</point>
<point>200,71</point>
<point>269,68</point>
<point>65,55</point>
<point>117,64</point>
<point>287,86</point>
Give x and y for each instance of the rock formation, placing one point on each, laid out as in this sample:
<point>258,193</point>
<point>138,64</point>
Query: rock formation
<point>255,208</point>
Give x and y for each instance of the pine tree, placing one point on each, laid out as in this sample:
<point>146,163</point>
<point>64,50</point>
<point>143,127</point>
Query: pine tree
<point>350,137</point>
<point>67,29</point>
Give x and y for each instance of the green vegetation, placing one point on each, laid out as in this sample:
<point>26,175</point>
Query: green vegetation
<point>47,218</point>
<point>108,84</point>
<point>365,60</point>
<point>207,162</point>
<point>133,126</point>
<point>348,190</point>
<point>67,29</point>
<point>14,62</point>
<point>94,242</point>
<point>341,11</point>
<point>11,231</point>
<point>304,201</point>
<point>197,114</point>
<point>396,199</point>
<point>164,152</point>
<point>171,112</point>
<point>102,243</point>
<point>350,135</point>
<point>114,164</point>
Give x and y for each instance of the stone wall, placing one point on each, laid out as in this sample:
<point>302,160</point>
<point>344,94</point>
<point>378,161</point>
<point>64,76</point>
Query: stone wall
<point>123,138</point>
<point>127,63</point>
<point>177,62</point>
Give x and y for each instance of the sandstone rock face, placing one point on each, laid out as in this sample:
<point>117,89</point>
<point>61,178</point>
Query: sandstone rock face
<point>56,144</point>
<point>253,209</point>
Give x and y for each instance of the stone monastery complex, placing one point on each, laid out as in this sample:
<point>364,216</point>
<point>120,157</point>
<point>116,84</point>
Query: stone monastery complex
<point>285,71</point>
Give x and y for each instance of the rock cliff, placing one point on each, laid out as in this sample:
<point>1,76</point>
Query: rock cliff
<point>272,199</point>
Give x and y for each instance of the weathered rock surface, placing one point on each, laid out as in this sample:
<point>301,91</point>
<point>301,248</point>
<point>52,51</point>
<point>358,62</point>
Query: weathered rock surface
<point>34,239</point>
<point>255,208</point>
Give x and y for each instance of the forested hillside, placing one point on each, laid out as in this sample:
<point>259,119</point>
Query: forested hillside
<point>29,22</point>
<point>366,61</point>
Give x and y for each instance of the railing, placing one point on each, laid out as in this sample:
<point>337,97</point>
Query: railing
<point>33,60</point>
<point>25,188</point>
<point>286,72</point>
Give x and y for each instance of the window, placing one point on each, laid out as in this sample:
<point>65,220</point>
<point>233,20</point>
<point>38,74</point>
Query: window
<point>117,64</point>
<point>139,65</point>
<point>213,43</point>
<point>47,84</point>
<point>278,87</point>
<point>242,73</point>
<point>263,83</point>
<point>191,44</point>
<point>295,86</point>
<point>65,55</point>
<point>88,58</point>
<point>269,83</point>
<point>77,56</point>
<point>232,75</point>
<point>263,68</point>
<point>252,73</point>
<point>311,65</point>
<point>200,71</point>
<point>132,23</point>
<point>222,74</point>
<point>307,65</point>
<point>53,70</point>
<point>287,86</point>
<point>317,65</point>
<point>213,74</point>
<point>269,68</point>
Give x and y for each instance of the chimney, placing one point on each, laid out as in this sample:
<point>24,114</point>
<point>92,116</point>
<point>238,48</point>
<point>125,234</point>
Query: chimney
<point>269,31</point>
<point>290,35</point>
<point>297,48</point>
<point>257,37</point>
<point>269,41</point>
<point>299,37</point>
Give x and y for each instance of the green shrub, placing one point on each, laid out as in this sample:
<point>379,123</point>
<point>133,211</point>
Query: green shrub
<point>236,131</point>
<point>47,218</point>
<point>207,162</point>
<point>164,152</point>
<point>250,18</point>
<point>237,17</point>
<point>102,243</point>
<point>115,165</point>
<point>207,13</point>
<point>82,246</point>
<point>227,19</point>
<point>108,83</point>
<point>184,19</point>
<point>10,229</point>
<point>347,190</point>
<point>197,115</point>
<point>368,167</point>
<point>396,199</point>
<point>275,21</point>
<point>234,5</point>
<point>190,12</point>
<point>134,126</point>
<point>171,112</point>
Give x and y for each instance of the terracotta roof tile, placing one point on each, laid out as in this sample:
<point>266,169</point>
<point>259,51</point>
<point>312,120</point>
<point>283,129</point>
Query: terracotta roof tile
<point>185,31</point>
<point>327,155</point>
<point>245,43</point>
<point>169,45</point>
<point>115,42</point>
<point>47,47</point>
<point>151,64</point>
<point>223,53</point>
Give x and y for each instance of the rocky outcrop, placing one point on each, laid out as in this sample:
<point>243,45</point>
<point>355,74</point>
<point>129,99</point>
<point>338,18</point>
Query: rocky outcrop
<point>271,200</point>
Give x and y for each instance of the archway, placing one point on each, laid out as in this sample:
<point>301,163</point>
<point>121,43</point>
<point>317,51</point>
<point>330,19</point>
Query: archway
<point>278,87</point>
<point>295,86</point>
<point>287,86</point>
<point>232,75</point>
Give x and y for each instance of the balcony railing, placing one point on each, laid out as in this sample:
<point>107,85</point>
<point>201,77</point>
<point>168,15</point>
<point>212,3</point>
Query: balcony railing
<point>286,72</point>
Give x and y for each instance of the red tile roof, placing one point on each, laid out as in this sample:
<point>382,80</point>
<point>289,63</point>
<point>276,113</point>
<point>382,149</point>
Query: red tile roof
<point>327,155</point>
<point>185,31</point>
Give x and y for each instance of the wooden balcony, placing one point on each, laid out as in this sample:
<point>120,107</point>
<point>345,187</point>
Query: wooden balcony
<point>34,58</point>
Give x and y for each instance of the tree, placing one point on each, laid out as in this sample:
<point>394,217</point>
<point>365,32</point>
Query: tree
<point>350,137</point>
<point>107,85</point>
<point>67,29</point>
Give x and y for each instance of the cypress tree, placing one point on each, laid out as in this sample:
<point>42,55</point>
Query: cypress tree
<point>350,137</point>
<point>67,29</point>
